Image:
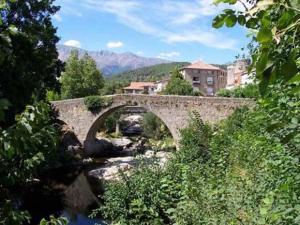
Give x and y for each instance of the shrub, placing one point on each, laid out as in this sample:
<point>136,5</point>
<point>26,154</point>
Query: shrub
<point>96,103</point>
<point>153,127</point>
<point>148,196</point>
<point>248,91</point>
<point>52,96</point>
<point>27,148</point>
<point>238,173</point>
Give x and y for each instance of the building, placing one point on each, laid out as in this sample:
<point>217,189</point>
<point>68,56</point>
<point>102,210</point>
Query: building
<point>161,85</point>
<point>237,74</point>
<point>140,88</point>
<point>206,78</point>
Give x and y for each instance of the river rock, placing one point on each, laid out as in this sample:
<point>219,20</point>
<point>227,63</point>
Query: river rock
<point>69,141</point>
<point>122,142</point>
<point>101,148</point>
<point>131,125</point>
<point>110,171</point>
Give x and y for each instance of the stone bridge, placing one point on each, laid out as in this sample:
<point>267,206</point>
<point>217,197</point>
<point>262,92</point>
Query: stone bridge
<point>174,111</point>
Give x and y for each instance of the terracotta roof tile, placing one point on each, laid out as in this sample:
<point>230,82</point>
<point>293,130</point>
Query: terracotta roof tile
<point>201,65</point>
<point>138,85</point>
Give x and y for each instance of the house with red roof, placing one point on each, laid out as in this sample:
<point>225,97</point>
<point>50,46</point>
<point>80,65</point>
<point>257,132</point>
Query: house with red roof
<point>206,78</point>
<point>140,88</point>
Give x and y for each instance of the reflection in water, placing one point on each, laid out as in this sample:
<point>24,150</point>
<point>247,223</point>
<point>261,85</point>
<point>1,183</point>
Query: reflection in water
<point>79,219</point>
<point>78,197</point>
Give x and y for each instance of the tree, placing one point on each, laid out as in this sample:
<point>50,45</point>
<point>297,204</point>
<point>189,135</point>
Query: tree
<point>178,85</point>
<point>81,77</point>
<point>28,60</point>
<point>276,54</point>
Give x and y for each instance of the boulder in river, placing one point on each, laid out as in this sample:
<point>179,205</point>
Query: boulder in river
<point>131,125</point>
<point>111,170</point>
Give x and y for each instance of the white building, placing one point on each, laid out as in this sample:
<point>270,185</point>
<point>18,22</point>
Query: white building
<point>237,74</point>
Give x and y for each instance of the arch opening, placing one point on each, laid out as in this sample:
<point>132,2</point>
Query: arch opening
<point>153,126</point>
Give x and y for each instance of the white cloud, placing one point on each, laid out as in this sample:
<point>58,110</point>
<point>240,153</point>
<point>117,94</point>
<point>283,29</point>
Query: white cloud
<point>171,21</point>
<point>168,55</point>
<point>115,44</point>
<point>73,43</point>
<point>57,17</point>
<point>211,39</point>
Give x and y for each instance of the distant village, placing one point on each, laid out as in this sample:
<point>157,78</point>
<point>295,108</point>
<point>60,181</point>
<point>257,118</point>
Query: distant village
<point>205,78</point>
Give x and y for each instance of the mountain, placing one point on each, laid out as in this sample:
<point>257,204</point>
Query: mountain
<point>110,62</point>
<point>150,73</point>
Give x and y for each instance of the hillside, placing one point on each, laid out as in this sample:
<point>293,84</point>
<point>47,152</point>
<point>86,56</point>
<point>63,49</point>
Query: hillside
<point>110,62</point>
<point>150,73</point>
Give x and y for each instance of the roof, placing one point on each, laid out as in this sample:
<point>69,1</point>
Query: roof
<point>201,65</point>
<point>138,85</point>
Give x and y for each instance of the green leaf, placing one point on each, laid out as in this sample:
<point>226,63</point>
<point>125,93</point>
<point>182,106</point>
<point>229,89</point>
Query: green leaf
<point>262,62</point>
<point>218,21</point>
<point>285,19</point>
<point>264,35</point>
<point>251,23</point>
<point>295,79</point>
<point>230,20</point>
<point>241,20</point>
<point>289,69</point>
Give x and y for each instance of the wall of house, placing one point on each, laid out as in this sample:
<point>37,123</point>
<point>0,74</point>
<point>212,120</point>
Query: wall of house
<point>199,80</point>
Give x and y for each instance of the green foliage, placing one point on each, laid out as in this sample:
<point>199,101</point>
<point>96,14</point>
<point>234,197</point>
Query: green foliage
<point>25,149</point>
<point>96,103</point>
<point>81,77</point>
<point>150,73</point>
<point>153,127</point>
<point>28,58</point>
<point>113,87</point>
<point>54,221</point>
<point>111,122</point>
<point>244,171</point>
<point>148,196</point>
<point>194,141</point>
<point>248,91</point>
<point>4,105</point>
<point>52,96</point>
<point>178,85</point>
<point>277,25</point>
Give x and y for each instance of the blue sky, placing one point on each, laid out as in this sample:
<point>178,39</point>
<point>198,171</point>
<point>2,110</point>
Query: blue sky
<point>176,30</point>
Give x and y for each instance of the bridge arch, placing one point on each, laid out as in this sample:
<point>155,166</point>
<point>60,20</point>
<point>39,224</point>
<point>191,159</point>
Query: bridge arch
<point>100,119</point>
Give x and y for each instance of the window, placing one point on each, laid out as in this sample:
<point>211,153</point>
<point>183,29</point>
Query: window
<point>196,80</point>
<point>210,80</point>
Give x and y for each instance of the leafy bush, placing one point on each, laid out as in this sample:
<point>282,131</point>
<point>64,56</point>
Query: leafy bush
<point>241,172</point>
<point>52,96</point>
<point>148,196</point>
<point>96,103</point>
<point>153,127</point>
<point>248,91</point>
<point>54,221</point>
<point>26,148</point>
<point>178,85</point>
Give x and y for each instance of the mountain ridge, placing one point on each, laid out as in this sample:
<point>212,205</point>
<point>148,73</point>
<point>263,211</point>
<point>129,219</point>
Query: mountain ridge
<point>110,62</point>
